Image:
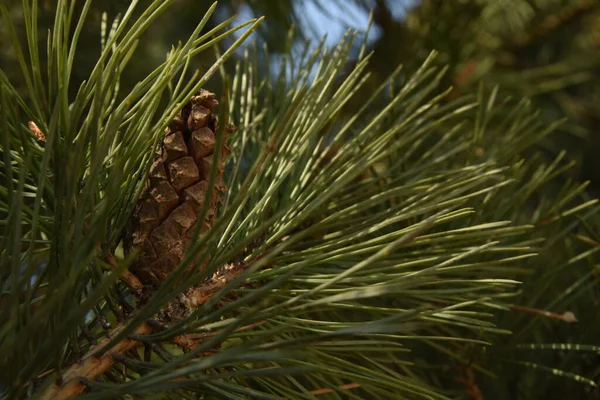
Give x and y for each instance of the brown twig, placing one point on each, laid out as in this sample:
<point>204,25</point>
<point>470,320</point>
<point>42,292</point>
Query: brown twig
<point>192,340</point>
<point>470,383</point>
<point>180,308</point>
<point>347,386</point>
<point>566,317</point>
<point>92,366</point>
<point>129,279</point>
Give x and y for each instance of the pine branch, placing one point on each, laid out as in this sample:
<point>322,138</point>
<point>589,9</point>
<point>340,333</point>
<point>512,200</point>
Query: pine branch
<point>100,358</point>
<point>81,159</point>
<point>356,245</point>
<point>129,279</point>
<point>92,365</point>
<point>470,383</point>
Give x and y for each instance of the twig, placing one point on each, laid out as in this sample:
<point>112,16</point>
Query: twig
<point>347,386</point>
<point>92,366</point>
<point>192,340</point>
<point>566,317</point>
<point>180,308</point>
<point>470,384</point>
<point>129,279</point>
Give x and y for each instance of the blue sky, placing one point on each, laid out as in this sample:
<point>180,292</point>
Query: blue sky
<point>326,18</point>
<point>328,21</point>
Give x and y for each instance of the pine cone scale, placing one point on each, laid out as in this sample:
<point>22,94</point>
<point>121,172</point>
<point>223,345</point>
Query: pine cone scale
<point>165,219</point>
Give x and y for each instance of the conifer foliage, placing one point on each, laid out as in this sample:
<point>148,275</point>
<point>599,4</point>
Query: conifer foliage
<point>151,250</point>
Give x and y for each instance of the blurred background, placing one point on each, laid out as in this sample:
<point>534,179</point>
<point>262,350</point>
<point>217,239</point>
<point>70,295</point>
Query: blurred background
<point>547,50</point>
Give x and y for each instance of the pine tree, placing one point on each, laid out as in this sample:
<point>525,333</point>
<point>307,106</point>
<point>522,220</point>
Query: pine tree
<point>376,254</point>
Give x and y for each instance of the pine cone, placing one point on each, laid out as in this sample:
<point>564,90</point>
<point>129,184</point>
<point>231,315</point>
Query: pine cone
<point>166,216</point>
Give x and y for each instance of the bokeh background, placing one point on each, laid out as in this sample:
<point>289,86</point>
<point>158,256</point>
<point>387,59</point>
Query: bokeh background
<point>547,50</point>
